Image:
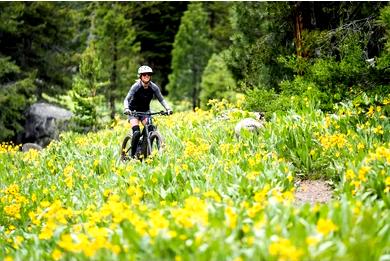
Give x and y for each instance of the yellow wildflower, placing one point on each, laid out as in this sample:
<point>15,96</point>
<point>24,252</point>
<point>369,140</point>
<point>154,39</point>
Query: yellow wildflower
<point>360,146</point>
<point>312,240</point>
<point>371,111</point>
<point>13,210</point>
<point>231,218</point>
<point>285,250</point>
<point>363,172</point>
<point>350,174</point>
<point>57,254</point>
<point>378,130</point>
<point>325,226</point>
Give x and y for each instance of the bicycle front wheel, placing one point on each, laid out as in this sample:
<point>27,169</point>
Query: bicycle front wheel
<point>126,148</point>
<point>156,142</point>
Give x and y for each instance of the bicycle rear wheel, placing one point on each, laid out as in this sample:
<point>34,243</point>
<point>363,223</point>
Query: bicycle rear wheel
<point>126,148</point>
<point>156,142</point>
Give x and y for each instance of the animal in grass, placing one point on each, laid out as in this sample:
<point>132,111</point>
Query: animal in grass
<point>250,124</point>
<point>31,146</point>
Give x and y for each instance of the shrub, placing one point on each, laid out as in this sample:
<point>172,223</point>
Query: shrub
<point>217,81</point>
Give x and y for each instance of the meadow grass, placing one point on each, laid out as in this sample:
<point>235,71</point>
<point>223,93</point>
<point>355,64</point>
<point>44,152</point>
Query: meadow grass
<point>208,196</point>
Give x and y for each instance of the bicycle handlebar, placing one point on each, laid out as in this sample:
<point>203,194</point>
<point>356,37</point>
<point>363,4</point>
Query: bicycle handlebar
<point>139,113</point>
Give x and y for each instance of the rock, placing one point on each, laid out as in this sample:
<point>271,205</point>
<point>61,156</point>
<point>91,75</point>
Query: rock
<point>31,146</point>
<point>44,122</point>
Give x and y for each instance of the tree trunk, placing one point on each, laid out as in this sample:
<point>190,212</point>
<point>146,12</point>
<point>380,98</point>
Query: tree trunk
<point>298,28</point>
<point>195,90</point>
<point>194,97</point>
<point>113,79</point>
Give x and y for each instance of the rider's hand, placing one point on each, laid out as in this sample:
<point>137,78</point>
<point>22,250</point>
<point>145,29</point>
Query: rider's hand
<point>169,112</point>
<point>127,111</point>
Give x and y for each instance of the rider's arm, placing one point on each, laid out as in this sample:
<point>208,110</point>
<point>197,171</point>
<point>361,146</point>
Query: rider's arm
<point>130,95</point>
<point>159,97</point>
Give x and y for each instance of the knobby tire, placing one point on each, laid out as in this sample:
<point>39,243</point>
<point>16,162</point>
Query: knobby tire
<point>156,142</point>
<point>126,148</point>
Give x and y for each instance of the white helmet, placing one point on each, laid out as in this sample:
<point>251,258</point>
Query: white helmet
<point>144,69</point>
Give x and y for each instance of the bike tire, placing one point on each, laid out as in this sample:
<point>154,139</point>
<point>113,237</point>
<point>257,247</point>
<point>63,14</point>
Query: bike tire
<point>126,148</point>
<point>156,142</point>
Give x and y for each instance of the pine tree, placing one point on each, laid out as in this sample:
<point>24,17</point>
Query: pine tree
<point>40,40</point>
<point>156,23</point>
<point>16,94</point>
<point>191,51</point>
<point>217,81</point>
<point>117,48</point>
<point>262,32</point>
<point>84,91</point>
<point>16,85</point>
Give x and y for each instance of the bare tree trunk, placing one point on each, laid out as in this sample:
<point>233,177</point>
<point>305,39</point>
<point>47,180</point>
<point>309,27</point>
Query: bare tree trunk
<point>113,79</point>
<point>195,90</point>
<point>298,28</point>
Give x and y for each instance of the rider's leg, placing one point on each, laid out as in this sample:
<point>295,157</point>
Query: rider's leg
<point>136,135</point>
<point>144,121</point>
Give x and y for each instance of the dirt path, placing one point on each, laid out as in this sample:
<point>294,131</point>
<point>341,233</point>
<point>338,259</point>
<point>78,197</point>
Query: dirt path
<point>313,191</point>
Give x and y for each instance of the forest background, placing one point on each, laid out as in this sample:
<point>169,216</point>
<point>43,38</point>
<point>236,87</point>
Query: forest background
<point>84,55</point>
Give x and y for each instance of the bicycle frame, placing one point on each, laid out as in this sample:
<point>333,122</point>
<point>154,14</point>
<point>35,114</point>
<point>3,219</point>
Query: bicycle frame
<point>145,134</point>
<point>145,131</point>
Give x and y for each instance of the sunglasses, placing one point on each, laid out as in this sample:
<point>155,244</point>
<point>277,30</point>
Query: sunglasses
<point>144,74</point>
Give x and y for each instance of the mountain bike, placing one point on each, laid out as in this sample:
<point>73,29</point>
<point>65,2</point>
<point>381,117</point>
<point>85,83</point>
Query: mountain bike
<point>149,142</point>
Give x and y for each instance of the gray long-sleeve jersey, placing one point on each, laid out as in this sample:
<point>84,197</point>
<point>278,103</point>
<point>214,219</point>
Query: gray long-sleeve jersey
<point>138,98</point>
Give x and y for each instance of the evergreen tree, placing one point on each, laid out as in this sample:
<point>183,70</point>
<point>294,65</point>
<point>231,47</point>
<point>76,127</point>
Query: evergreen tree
<point>337,41</point>
<point>384,59</point>
<point>156,24</point>
<point>84,91</point>
<point>217,81</point>
<point>41,40</point>
<point>262,32</point>
<point>220,27</point>
<point>191,51</point>
<point>117,48</point>
<point>16,85</point>
<point>16,94</point>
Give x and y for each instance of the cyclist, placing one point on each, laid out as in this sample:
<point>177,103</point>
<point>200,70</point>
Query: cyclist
<point>138,99</point>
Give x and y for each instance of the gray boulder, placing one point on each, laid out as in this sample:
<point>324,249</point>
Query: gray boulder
<point>44,122</point>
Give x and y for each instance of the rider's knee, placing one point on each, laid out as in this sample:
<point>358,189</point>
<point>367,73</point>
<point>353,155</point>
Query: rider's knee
<point>136,135</point>
<point>135,129</point>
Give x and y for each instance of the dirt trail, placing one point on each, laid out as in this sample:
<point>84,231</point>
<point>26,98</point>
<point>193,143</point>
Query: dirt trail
<point>313,191</point>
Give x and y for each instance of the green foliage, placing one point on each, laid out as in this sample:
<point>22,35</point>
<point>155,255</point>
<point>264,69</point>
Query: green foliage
<point>219,23</point>
<point>260,35</point>
<point>117,48</point>
<point>339,73</point>
<point>84,91</point>
<point>266,101</point>
<point>191,51</point>
<point>38,36</point>
<point>155,24</point>
<point>16,94</point>
<point>217,81</point>
<point>384,21</point>
<point>337,45</point>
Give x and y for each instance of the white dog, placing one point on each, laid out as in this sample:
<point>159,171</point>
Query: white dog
<point>250,124</point>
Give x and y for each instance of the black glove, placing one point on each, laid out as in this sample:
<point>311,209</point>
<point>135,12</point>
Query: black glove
<point>127,111</point>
